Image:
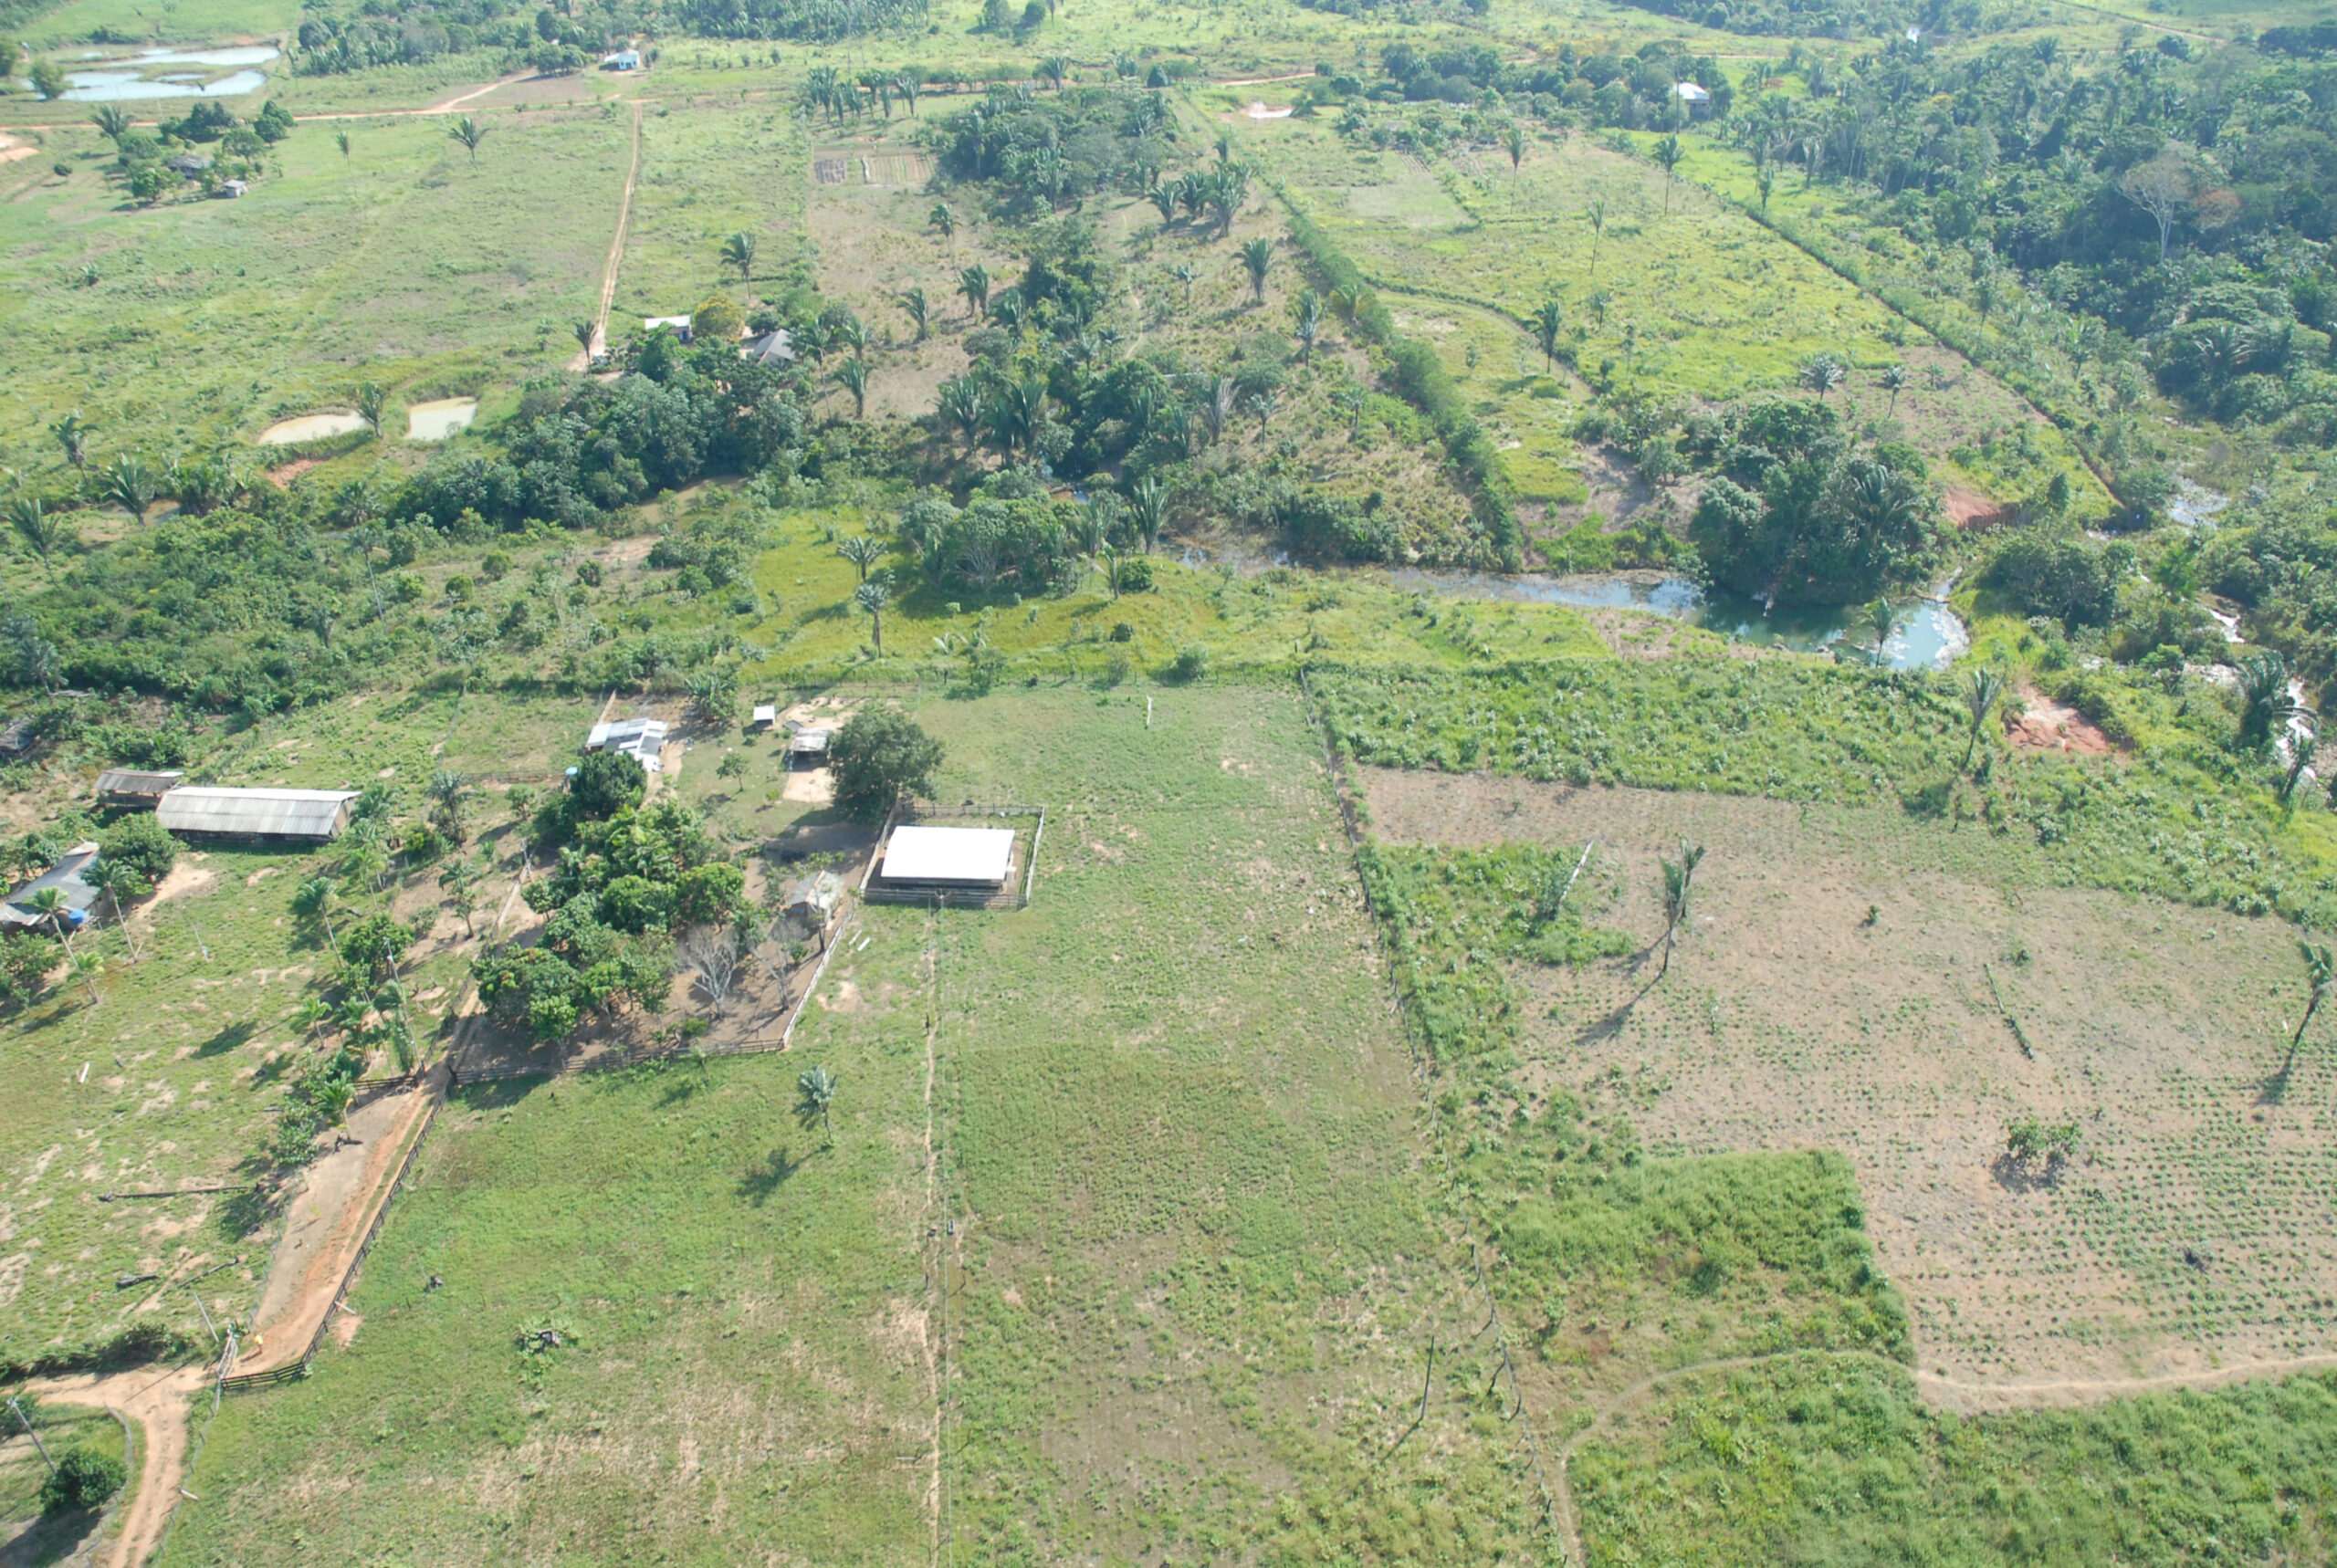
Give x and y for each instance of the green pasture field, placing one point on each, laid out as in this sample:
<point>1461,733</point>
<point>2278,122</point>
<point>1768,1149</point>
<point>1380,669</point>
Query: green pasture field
<point>207,320</point>
<point>165,21</point>
<point>706,172</point>
<point>1184,1256</point>
<point>26,1534</point>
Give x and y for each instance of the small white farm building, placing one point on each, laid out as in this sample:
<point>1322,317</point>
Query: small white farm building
<point>948,857</point>
<point>639,738</point>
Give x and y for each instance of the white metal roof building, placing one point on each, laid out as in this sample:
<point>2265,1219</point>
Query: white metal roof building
<point>639,738</point>
<point>306,816</point>
<point>953,857</point>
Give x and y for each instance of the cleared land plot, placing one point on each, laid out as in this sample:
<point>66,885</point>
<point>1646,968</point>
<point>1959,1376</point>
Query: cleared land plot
<point>707,172</point>
<point>1189,1259</point>
<point>209,319</point>
<point>2198,1225</point>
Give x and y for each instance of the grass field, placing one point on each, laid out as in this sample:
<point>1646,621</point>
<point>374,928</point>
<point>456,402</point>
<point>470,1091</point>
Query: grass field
<point>400,264</point>
<point>1187,1246</point>
<point>28,1536</point>
<point>706,172</point>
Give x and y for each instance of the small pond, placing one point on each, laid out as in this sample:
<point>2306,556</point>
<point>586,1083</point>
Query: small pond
<point>115,79</point>
<point>438,420</point>
<point>1925,634</point>
<point>308,427</point>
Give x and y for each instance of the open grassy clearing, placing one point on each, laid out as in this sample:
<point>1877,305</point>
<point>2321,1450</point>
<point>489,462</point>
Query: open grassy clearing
<point>2198,1226</point>
<point>1190,1253</point>
<point>400,264</point>
<point>176,21</point>
<point>707,172</point>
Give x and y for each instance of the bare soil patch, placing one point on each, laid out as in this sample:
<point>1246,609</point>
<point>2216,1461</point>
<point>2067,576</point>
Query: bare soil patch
<point>155,1403</point>
<point>1970,510</point>
<point>2044,725</point>
<point>1838,989</point>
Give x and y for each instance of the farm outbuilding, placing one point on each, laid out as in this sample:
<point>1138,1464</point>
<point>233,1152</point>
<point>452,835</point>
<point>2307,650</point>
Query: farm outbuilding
<point>948,857</point>
<point>267,816</point>
<point>639,738</point>
<point>766,715</point>
<point>809,747</point>
<point>135,790</point>
<point>66,877</point>
<point>771,348</point>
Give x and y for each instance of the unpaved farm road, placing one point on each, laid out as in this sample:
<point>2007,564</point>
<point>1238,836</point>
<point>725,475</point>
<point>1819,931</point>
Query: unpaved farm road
<point>156,1402</point>
<point>1942,1392</point>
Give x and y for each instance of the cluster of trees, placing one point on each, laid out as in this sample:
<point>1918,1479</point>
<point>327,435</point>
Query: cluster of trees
<point>1799,512</point>
<point>409,32</point>
<point>233,148</point>
<point>1059,146</point>
<point>808,19</point>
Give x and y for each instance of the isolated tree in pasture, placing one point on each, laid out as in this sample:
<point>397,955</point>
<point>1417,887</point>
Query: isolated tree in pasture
<point>372,406</point>
<point>2320,979</point>
<point>470,133</point>
<point>920,310</point>
<point>944,219</point>
<point>1668,152</point>
<point>72,434</point>
<point>815,1097</point>
<point>738,251</point>
<point>1513,141</point>
<point>1306,322</point>
<point>973,286</point>
<point>1980,690</point>
<point>584,330</point>
<point>1595,215</point>
<point>880,754</point>
<point>863,552</point>
<point>41,533</point>
<point>1822,374</point>
<point>110,121</point>
<point>340,139</point>
<point>1186,272</point>
<point>1679,885</point>
<point>1892,379</point>
<point>131,484</point>
<point>1547,320</point>
<point>1257,260</point>
<point>1054,68</point>
<point>872,598</point>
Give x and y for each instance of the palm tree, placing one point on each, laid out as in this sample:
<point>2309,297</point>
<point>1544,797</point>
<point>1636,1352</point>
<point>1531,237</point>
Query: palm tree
<point>873,596</point>
<point>920,312</point>
<point>446,791</point>
<point>1596,215</point>
<point>815,1095</point>
<point>1667,152</point>
<point>131,485</point>
<point>973,284</point>
<point>2266,704</point>
<point>943,217</point>
<point>1513,141</point>
<point>2320,979</point>
<point>30,518</point>
<point>470,133</point>
<point>1148,502</point>
<point>111,122</point>
<point>960,407</point>
<point>1822,374</point>
<point>586,330</point>
<point>340,139</point>
<point>1679,882</point>
<point>73,436</point>
<point>1054,68</point>
<point>1257,258</point>
<point>852,375</point>
<point>1185,272</point>
<point>1306,322</point>
<point>738,251</point>
<point>1980,691</point>
<point>863,552</point>
<point>1892,379</point>
<point>320,895</point>
<point>1881,616</point>
<point>1548,317</point>
<point>852,334</point>
<point>49,905</point>
<point>908,86</point>
<point>373,402</point>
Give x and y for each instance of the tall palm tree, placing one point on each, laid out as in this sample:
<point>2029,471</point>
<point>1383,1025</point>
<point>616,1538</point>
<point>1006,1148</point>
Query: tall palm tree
<point>1185,272</point>
<point>1980,690</point>
<point>863,552</point>
<point>29,516</point>
<point>738,251</point>
<point>470,133</point>
<point>373,404</point>
<point>446,791</point>
<point>1765,179</point>
<point>1257,259</point>
<point>1595,216</point>
<point>973,284</point>
<point>852,334</point>
<point>1893,380</point>
<point>960,407</point>
<point>131,484</point>
<point>1306,322</point>
<point>586,329</point>
<point>852,375</point>
<point>920,311</point>
<point>2320,979</point>
<point>111,122</point>
<point>1822,374</point>
<point>1054,68</point>
<point>1882,617</point>
<point>872,597</point>
<point>319,896</point>
<point>908,86</point>
<point>73,434</point>
<point>2265,703</point>
<point>815,1095</point>
<point>1148,503</point>
<point>1547,320</point>
<point>1513,141</point>
<point>340,139</point>
<point>1668,153</point>
<point>1678,883</point>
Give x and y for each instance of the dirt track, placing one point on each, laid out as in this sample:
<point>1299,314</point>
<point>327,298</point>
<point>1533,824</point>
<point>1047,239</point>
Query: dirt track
<point>156,1404</point>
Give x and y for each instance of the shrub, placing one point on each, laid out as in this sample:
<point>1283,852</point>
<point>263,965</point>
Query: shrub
<point>1190,664</point>
<point>607,782</point>
<point>83,1480</point>
<point>879,755</point>
<point>140,843</point>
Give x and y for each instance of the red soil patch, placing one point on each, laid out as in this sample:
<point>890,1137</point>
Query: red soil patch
<point>282,478</point>
<point>2044,724</point>
<point>1973,512</point>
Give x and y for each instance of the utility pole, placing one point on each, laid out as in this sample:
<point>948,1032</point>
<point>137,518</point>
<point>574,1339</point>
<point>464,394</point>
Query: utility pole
<point>26,1422</point>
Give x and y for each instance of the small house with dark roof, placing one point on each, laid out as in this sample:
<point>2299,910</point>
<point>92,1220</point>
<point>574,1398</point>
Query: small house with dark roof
<point>189,163</point>
<point>134,791</point>
<point>65,877</point>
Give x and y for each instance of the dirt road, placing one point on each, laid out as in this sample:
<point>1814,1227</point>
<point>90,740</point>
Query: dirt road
<point>155,1403</point>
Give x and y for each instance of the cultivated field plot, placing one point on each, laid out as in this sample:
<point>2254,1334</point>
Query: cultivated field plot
<point>1173,1253</point>
<point>195,324</point>
<point>1838,990</point>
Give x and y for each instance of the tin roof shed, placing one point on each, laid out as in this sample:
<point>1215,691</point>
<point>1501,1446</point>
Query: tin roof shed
<point>315,815</point>
<point>958,857</point>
